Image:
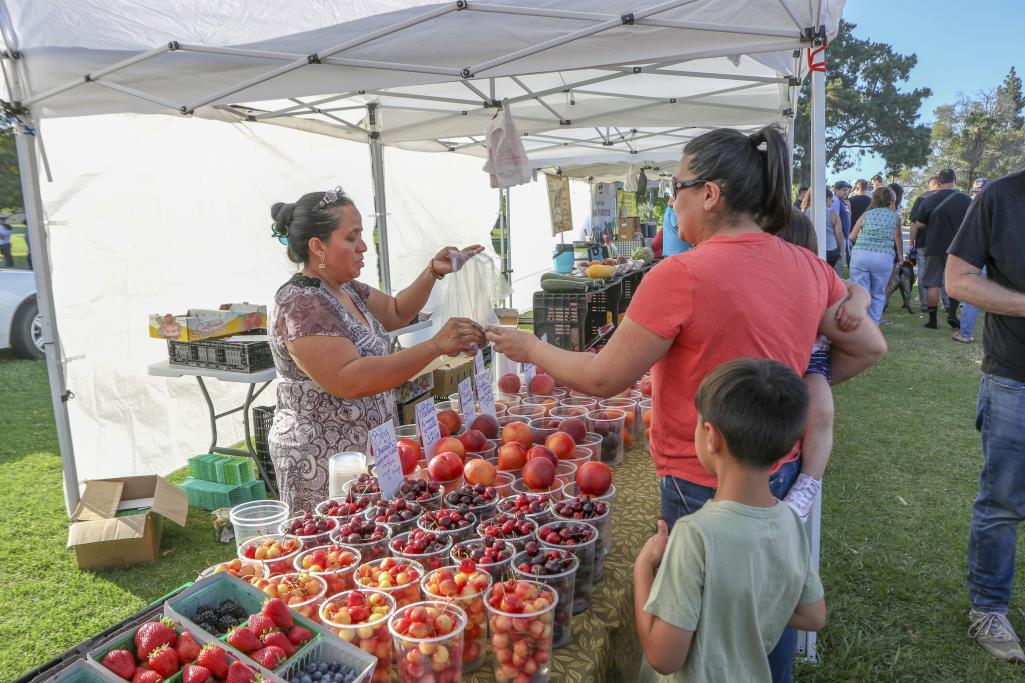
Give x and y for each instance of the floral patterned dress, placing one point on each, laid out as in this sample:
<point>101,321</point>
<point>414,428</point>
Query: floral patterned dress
<point>310,425</point>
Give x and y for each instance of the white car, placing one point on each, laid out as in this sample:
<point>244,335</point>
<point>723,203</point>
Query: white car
<point>21,326</point>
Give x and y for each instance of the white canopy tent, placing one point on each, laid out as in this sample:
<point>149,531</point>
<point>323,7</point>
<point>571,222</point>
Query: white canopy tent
<point>584,79</point>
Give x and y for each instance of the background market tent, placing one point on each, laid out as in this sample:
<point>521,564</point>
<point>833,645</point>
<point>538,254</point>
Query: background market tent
<point>66,59</point>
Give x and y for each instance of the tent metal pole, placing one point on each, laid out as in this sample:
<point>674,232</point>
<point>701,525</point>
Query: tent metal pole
<point>818,156</point>
<point>508,239</point>
<point>380,203</point>
<point>25,140</point>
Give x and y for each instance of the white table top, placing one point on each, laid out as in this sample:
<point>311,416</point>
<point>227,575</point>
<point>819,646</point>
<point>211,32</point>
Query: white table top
<point>164,368</point>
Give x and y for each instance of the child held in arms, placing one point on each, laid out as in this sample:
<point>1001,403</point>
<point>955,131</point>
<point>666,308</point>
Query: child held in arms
<point>712,599</point>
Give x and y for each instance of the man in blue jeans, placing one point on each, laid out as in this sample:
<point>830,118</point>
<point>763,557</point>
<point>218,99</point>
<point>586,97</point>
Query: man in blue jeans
<point>991,237</point>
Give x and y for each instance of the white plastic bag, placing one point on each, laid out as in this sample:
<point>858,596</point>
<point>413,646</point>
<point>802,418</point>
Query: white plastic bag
<point>471,291</point>
<point>507,159</point>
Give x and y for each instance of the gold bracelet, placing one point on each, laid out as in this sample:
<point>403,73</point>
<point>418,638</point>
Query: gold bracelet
<point>434,272</point>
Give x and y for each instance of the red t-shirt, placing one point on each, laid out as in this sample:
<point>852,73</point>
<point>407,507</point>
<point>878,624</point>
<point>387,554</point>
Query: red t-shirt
<point>749,296</point>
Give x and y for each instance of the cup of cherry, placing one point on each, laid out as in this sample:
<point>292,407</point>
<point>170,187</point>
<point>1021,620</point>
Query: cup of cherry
<point>609,423</point>
<point>521,616</point>
<point>456,524</point>
<point>580,539</point>
<point>490,554</point>
<point>515,528</point>
<point>340,507</point>
<point>333,563</point>
<point>369,538</point>
<point>479,499</point>
<point>363,486</point>
<point>395,576</point>
<point>311,529</point>
<point>537,507</point>
<point>463,585</point>
<point>555,568</point>
<point>426,547</point>
<point>399,514</point>
<point>360,618</point>
<point>428,640</point>
<point>596,513</point>
<point>275,552</point>
<point>427,493</point>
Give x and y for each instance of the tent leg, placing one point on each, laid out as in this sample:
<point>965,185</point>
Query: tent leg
<point>818,156</point>
<point>25,139</point>
<point>380,203</point>
<point>508,243</point>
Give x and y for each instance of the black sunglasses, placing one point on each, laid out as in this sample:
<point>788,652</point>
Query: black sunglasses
<point>684,184</point>
<point>331,197</point>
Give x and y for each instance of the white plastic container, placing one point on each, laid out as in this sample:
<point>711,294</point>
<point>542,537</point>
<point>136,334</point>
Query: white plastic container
<point>257,518</point>
<point>342,468</point>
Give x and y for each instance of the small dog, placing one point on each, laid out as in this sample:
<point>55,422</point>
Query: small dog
<point>902,279</point>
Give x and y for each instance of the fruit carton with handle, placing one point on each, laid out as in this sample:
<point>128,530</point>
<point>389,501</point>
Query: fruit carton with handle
<point>216,588</point>
<point>118,521</point>
<point>198,323</point>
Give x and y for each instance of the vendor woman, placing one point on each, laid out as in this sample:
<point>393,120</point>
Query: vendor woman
<point>329,338</point>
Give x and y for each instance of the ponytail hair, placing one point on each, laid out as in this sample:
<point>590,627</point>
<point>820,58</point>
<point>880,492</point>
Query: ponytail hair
<point>752,180</point>
<point>312,215</point>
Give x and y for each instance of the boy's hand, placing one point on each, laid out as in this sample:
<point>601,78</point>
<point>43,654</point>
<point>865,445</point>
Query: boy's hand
<point>848,317</point>
<point>655,547</point>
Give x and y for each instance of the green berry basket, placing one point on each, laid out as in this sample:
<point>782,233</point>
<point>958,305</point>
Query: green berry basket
<point>81,671</point>
<point>329,650</point>
<point>125,640</point>
<point>234,470</point>
<point>211,495</point>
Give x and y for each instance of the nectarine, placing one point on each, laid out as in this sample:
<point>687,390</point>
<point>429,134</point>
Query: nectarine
<point>518,432</point>
<point>451,420</point>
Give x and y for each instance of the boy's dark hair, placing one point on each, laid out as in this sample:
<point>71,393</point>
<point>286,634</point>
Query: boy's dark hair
<point>760,406</point>
<point>861,184</point>
<point>947,175</point>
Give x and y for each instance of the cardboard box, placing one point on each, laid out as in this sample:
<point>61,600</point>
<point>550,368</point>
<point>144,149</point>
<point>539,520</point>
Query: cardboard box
<point>411,393</point>
<point>629,226</point>
<point>448,376</point>
<point>118,521</point>
<point>200,323</point>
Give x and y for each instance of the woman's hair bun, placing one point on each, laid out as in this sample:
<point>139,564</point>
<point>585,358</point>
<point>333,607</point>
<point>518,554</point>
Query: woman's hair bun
<point>282,215</point>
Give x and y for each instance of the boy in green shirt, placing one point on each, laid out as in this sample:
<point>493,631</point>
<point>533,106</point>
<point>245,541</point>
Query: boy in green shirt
<point>732,575</point>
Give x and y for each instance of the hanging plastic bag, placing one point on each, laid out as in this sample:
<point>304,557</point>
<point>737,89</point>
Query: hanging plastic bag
<point>471,291</point>
<point>630,182</point>
<point>507,159</point>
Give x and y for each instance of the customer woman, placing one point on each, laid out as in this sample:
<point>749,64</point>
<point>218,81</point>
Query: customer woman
<point>876,236</point>
<point>834,229</point>
<point>329,338</point>
<point>740,292</point>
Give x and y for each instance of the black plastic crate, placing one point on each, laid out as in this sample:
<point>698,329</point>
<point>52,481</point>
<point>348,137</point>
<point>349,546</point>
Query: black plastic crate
<point>263,417</point>
<point>236,354</point>
<point>573,321</point>
<point>631,281</point>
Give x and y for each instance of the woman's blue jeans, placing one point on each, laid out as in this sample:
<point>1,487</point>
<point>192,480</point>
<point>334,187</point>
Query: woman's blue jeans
<point>1000,505</point>
<point>681,498</point>
<point>871,270</point>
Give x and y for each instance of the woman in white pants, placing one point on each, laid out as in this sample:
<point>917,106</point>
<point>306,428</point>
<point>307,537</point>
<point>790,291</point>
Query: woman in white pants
<point>875,236</point>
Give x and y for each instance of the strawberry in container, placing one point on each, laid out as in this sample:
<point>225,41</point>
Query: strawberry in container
<point>491,555</point>
<point>399,515</point>
<point>342,508</point>
<point>300,591</point>
<point>333,563</point>
<point>396,577</point>
<point>428,640</point>
<point>455,524</point>
<point>521,617</point>
<point>556,569</point>
<point>311,529</point>
<point>369,538</point>
<point>426,547</point>
<point>515,528</point>
<point>275,552</point>
<point>464,585</point>
<point>270,637</point>
<point>360,618</point>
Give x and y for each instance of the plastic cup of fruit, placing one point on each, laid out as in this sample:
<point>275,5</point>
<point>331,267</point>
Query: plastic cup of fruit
<point>609,424</point>
<point>562,583</point>
<point>580,456</point>
<point>446,405</point>
<point>522,641</point>
<point>510,400</point>
<point>570,411</point>
<point>426,499</point>
<point>356,491</point>
<point>339,576</point>
<point>526,411</point>
<point>331,506</point>
<point>430,560</point>
<point>571,490</point>
<point>588,403</point>
<point>501,408</point>
<point>482,511</point>
<point>433,657</point>
<point>383,512</point>
<point>539,506</point>
<point>632,424</point>
<point>487,453</point>
<point>541,429</point>
<point>475,635</point>
<point>645,407</point>
<point>509,417</point>
<point>301,591</point>
<point>504,482</point>
<point>398,577</point>
<point>592,442</point>
<point>247,570</point>
<point>370,634</point>
<point>584,550</point>
<point>547,403</point>
<point>519,486</point>
<point>601,522</point>
<point>275,552</point>
<point>475,550</point>
<point>314,539</point>
<point>494,528</point>
<point>446,486</point>
<point>407,432</point>
<point>369,548</point>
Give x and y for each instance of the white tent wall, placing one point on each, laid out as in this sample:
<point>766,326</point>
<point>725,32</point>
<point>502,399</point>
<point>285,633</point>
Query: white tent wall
<point>178,217</point>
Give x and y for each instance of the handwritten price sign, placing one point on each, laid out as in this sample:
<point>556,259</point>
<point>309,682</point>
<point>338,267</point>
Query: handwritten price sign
<point>486,393</point>
<point>427,425</point>
<point>478,363</point>
<point>528,372</point>
<point>466,400</point>
<point>387,465</point>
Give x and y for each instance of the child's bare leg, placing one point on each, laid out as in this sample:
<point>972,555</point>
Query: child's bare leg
<point>816,447</point>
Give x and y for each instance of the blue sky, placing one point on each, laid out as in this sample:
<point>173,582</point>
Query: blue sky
<point>961,47</point>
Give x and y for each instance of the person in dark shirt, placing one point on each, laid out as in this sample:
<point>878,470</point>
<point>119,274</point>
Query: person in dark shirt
<point>942,212</point>
<point>917,245</point>
<point>992,236</point>
<point>859,200</point>
<point>801,191</point>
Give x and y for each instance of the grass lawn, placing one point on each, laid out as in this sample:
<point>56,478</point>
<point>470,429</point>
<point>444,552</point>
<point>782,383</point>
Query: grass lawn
<point>897,505</point>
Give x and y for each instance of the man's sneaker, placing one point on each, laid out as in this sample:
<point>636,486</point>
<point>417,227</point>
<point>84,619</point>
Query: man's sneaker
<point>994,633</point>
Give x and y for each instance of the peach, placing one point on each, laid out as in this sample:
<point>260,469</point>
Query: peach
<point>539,473</point>
<point>542,385</point>
<point>562,444</point>
<point>487,425</point>
<point>452,445</point>
<point>474,441</point>
<point>518,432</point>
<point>575,427</point>
<point>509,383</point>
<point>479,472</point>
<point>451,420</point>
<point>543,452</point>
<point>512,456</point>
